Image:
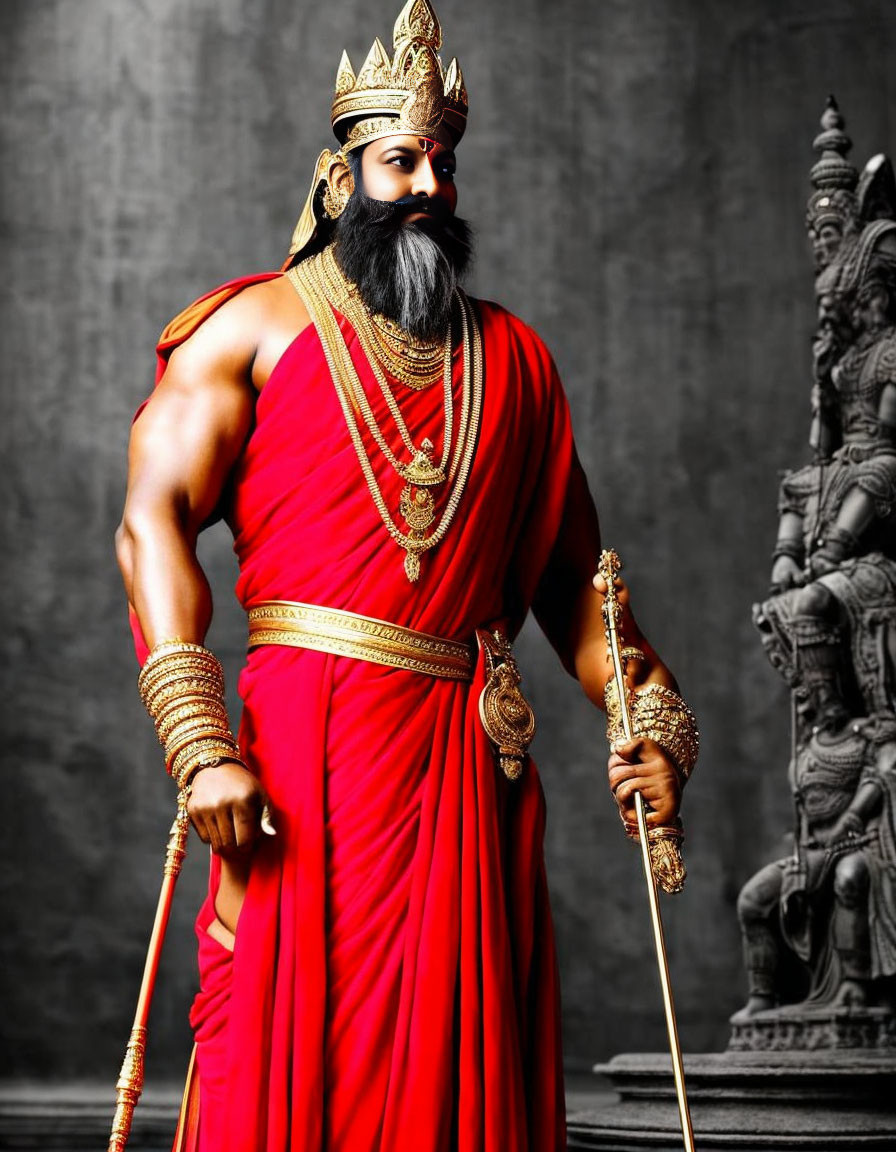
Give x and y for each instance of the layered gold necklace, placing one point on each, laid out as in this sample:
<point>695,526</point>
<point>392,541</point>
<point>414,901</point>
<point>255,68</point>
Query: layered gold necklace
<point>416,363</point>
<point>323,287</point>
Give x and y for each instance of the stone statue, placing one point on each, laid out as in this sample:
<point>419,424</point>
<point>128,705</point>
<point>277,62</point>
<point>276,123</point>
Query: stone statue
<point>819,927</point>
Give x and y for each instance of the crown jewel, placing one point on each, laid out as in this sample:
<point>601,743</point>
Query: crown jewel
<point>409,93</point>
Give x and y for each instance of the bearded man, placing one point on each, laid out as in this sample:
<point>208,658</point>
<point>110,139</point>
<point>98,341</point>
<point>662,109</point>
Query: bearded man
<point>397,466</point>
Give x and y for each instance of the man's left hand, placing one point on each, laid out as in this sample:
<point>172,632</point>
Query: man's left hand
<point>641,765</point>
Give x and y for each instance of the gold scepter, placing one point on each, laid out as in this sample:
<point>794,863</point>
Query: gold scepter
<point>662,857</point>
<point>130,1079</point>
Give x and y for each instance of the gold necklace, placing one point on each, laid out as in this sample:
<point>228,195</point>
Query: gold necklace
<point>416,363</point>
<point>314,280</point>
<point>343,295</point>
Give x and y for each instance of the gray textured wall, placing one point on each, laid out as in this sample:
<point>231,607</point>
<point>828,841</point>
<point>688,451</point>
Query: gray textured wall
<point>637,171</point>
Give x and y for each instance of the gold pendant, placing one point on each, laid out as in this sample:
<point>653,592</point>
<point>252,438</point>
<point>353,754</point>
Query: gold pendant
<point>422,470</point>
<point>417,504</point>
<point>418,508</point>
<point>412,566</point>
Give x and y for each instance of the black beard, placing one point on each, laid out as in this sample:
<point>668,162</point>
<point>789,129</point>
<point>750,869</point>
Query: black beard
<point>406,271</point>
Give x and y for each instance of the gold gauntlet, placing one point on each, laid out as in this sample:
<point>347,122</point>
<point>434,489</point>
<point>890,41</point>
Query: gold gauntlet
<point>182,686</point>
<point>657,714</point>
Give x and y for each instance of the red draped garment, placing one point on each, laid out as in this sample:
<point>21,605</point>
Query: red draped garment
<point>393,986</point>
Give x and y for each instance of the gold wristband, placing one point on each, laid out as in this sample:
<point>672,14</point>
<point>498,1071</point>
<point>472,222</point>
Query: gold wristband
<point>655,832</point>
<point>176,752</point>
<point>208,754</point>
<point>177,689</point>
<point>170,659</point>
<point>175,722</point>
<point>658,714</point>
<point>182,686</point>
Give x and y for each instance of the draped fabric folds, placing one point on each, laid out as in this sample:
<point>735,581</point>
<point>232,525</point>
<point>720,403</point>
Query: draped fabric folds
<point>393,985</point>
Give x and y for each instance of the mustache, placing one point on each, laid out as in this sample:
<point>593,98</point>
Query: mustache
<point>385,212</point>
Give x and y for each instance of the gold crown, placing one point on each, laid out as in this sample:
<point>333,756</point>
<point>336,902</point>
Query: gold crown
<point>410,93</point>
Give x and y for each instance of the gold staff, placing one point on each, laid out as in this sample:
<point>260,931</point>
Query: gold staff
<point>663,857</point>
<point>130,1079</point>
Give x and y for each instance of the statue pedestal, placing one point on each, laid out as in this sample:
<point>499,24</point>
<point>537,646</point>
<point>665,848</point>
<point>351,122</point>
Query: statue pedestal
<point>774,1101</point>
<point>800,1029</point>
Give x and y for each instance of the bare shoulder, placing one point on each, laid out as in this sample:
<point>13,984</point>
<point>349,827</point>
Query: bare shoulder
<point>241,341</point>
<point>281,317</point>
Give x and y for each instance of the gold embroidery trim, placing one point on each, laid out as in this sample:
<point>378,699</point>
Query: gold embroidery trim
<point>342,633</point>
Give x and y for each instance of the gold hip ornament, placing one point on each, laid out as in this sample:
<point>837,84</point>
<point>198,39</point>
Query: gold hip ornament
<point>506,714</point>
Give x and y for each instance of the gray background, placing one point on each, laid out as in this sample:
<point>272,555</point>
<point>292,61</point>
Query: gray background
<point>637,171</point>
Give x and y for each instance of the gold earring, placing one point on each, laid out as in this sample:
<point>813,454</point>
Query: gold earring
<point>335,201</point>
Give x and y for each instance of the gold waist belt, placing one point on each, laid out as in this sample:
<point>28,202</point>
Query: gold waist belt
<point>363,637</point>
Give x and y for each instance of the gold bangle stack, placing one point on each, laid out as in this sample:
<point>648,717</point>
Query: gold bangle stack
<point>182,687</point>
<point>657,714</point>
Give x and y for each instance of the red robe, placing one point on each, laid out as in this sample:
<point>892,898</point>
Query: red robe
<point>393,986</point>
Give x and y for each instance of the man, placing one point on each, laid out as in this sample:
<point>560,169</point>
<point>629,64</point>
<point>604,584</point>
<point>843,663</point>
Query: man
<point>397,467</point>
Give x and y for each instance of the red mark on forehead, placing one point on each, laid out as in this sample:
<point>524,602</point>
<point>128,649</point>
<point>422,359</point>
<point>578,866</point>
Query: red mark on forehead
<point>426,145</point>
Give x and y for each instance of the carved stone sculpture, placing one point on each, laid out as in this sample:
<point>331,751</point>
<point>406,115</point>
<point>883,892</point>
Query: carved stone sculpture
<point>819,927</point>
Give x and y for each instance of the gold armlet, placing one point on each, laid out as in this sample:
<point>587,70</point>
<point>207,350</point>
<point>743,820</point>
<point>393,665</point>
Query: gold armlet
<point>657,714</point>
<point>182,687</point>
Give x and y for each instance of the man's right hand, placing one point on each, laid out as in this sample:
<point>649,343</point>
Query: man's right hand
<point>225,806</point>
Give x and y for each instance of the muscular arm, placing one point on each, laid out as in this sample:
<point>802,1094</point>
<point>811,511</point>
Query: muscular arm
<point>568,609</point>
<point>183,447</point>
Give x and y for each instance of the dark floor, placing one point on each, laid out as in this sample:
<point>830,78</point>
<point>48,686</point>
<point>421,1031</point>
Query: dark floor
<point>75,1116</point>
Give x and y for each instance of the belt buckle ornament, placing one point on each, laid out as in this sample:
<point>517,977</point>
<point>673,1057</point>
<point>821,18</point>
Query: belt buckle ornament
<point>506,714</point>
